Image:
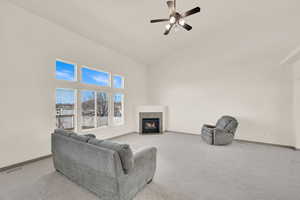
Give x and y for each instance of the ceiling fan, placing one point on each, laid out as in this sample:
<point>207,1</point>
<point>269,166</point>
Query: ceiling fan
<point>176,18</point>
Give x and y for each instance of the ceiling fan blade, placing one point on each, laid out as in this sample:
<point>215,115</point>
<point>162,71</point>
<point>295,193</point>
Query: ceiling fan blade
<point>191,12</point>
<point>168,30</point>
<point>187,27</point>
<point>158,20</point>
<point>171,6</point>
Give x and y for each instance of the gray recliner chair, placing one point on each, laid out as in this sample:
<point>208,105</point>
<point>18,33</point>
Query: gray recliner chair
<point>222,133</point>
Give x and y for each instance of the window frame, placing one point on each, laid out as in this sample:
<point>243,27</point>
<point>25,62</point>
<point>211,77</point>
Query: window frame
<point>123,82</point>
<point>75,71</point>
<point>109,109</point>
<point>75,106</point>
<point>95,107</point>
<point>80,112</point>
<point>97,70</point>
<point>123,110</point>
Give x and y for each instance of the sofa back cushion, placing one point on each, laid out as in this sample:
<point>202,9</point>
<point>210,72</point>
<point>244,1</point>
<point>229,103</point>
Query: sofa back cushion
<point>124,151</point>
<point>95,141</point>
<point>81,138</point>
<point>63,132</point>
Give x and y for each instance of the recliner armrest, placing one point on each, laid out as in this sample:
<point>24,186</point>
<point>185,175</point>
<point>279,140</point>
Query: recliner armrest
<point>209,126</point>
<point>207,129</point>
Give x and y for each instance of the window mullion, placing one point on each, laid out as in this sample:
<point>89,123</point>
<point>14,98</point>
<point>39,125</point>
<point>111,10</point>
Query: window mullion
<point>95,107</point>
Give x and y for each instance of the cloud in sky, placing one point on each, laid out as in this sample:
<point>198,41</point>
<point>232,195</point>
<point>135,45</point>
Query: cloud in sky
<point>65,96</point>
<point>100,78</point>
<point>65,74</point>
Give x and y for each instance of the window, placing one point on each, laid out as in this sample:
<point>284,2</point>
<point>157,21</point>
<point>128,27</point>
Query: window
<point>65,71</point>
<point>94,109</point>
<point>90,106</point>
<point>118,81</point>
<point>87,109</point>
<point>65,109</point>
<point>94,77</point>
<point>118,109</point>
<point>102,109</point>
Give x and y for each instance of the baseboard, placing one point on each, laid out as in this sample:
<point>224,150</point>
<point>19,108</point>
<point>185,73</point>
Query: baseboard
<point>17,165</point>
<point>240,140</point>
<point>269,144</point>
<point>180,132</point>
<point>125,134</point>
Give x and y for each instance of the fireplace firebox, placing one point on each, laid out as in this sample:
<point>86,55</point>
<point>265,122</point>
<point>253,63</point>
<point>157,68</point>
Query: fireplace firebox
<point>151,125</point>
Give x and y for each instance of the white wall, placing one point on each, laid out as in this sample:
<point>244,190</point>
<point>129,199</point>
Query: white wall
<point>200,84</point>
<point>296,110</point>
<point>29,46</point>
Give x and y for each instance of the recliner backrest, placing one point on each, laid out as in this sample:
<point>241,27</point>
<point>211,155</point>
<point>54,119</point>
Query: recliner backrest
<point>227,123</point>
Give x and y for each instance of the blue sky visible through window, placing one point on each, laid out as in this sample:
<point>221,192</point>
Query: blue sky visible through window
<point>94,77</point>
<point>65,71</point>
<point>118,81</point>
<point>118,97</point>
<point>87,95</point>
<point>64,96</point>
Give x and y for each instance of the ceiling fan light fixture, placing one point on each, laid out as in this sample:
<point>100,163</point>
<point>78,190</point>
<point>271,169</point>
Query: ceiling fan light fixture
<point>168,26</point>
<point>172,20</point>
<point>181,22</point>
<point>176,19</point>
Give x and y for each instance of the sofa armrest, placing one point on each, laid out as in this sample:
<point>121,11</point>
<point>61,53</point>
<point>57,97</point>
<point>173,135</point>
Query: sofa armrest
<point>142,173</point>
<point>144,158</point>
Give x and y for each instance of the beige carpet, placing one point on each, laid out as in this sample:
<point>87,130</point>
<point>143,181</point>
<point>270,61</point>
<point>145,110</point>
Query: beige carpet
<point>56,187</point>
<point>187,169</point>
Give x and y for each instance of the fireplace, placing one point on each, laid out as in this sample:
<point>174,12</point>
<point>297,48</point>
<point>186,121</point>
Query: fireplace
<point>151,122</point>
<point>150,125</point>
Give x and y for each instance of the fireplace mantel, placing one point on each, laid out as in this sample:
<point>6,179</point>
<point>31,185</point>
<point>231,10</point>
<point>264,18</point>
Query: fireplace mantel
<point>152,109</point>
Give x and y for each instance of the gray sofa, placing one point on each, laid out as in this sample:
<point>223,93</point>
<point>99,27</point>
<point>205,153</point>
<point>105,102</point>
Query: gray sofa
<point>222,133</point>
<point>107,169</point>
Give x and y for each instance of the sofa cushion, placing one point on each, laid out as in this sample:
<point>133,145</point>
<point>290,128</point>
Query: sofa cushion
<point>63,132</point>
<point>90,135</point>
<point>81,138</point>
<point>124,151</point>
<point>95,141</point>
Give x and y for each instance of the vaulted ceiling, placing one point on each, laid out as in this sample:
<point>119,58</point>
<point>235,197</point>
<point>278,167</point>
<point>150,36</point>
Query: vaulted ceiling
<point>124,26</point>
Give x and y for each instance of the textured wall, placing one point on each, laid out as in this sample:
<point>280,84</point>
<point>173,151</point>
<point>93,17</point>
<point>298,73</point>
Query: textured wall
<point>29,47</point>
<point>200,86</point>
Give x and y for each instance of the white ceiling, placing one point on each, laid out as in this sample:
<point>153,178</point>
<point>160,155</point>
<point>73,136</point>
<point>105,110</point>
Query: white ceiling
<point>124,25</point>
